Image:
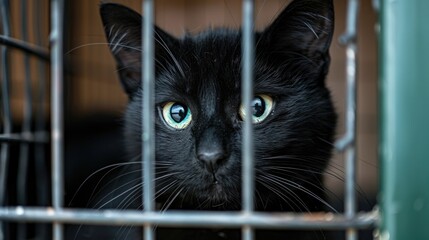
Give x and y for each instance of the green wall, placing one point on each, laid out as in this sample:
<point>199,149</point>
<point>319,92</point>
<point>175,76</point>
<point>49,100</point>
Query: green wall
<point>404,123</point>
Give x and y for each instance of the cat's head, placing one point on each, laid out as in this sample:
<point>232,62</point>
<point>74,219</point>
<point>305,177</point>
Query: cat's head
<point>198,112</point>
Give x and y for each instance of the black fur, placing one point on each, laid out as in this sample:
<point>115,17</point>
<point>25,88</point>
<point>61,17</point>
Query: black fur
<point>292,146</point>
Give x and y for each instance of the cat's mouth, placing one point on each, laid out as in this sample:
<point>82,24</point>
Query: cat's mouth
<point>214,185</point>
<point>216,190</point>
<point>215,181</point>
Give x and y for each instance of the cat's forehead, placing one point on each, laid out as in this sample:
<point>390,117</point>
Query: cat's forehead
<point>215,46</point>
<point>208,60</point>
<point>215,38</point>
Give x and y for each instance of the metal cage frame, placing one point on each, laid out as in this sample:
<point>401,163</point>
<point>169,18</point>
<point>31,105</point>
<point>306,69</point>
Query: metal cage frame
<point>246,219</point>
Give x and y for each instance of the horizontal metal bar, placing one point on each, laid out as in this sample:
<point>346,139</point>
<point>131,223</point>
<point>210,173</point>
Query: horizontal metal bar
<point>34,137</point>
<point>327,221</point>
<point>26,47</point>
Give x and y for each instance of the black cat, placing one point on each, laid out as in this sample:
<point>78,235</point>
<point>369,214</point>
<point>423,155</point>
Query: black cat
<point>199,119</point>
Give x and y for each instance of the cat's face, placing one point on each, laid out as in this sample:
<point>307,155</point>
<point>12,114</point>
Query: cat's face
<point>199,116</point>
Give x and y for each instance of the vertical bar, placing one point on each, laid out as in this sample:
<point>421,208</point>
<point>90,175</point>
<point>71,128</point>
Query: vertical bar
<point>7,114</point>
<point>41,172</point>
<point>26,125</point>
<point>57,93</point>
<point>148,70</point>
<point>404,131</point>
<point>247,97</point>
<point>40,118</point>
<point>27,114</point>
<point>348,143</point>
<point>350,201</point>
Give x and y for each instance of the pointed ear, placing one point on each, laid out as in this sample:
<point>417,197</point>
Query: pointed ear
<point>304,27</point>
<point>123,28</point>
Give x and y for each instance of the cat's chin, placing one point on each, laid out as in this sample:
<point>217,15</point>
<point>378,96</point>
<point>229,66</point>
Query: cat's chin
<point>217,197</point>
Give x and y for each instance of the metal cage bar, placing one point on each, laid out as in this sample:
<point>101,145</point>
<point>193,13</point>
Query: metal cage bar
<point>348,142</point>
<point>41,171</point>
<point>7,114</point>
<point>57,128</point>
<point>24,147</point>
<point>193,218</point>
<point>26,47</point>
<point>248,176</point>
<point>148,106</point>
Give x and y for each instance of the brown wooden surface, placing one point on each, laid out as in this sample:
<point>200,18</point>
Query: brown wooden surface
<point>17,70</point>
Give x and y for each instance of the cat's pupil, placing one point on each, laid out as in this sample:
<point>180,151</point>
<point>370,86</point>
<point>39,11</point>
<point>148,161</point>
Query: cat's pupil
<point>258,105</point>
<point>178,112</point>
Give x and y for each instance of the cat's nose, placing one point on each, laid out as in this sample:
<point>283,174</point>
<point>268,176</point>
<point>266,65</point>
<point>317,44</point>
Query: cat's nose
<point>211,149</point>
<point>211,158</point>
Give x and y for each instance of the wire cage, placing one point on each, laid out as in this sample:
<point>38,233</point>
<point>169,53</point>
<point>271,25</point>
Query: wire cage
<point>36,138</point>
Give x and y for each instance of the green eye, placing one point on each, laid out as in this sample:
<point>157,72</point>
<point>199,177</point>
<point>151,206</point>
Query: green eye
<point>261,107</point>
<point>176,115</point>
